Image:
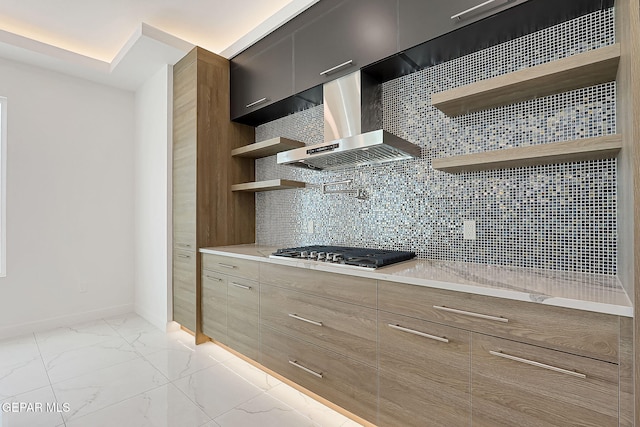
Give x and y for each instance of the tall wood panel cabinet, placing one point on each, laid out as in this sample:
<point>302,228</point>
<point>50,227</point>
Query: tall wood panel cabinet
<point>205,211</point>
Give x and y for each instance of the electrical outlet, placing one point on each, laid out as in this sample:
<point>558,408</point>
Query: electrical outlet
<point>469,229</point>
<point>310,226</point>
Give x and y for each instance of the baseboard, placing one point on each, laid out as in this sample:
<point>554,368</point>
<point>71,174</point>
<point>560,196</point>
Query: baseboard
<point>56,322</point>
<point>149,316</point>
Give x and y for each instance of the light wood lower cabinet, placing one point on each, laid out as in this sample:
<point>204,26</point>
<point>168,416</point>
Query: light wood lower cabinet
<point>214,306</point>
<point>515,384</point>
<point>341,327</point>
<point>243,307</point>
<point>342,380</point>
<point>423,373</point>
<point>184,290</point>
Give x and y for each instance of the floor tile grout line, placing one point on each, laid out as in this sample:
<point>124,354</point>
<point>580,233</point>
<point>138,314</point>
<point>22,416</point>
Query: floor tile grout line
<point>46,371</point>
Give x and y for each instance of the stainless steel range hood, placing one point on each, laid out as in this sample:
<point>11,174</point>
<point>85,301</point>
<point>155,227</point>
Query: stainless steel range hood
<point>352,130</point>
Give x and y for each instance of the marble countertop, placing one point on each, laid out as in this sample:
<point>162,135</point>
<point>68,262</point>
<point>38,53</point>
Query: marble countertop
<point>589,292</point>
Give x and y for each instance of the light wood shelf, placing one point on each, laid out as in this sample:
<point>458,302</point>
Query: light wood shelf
<point>581,70</point>
<point>269,185</point>
<point>602,147</point>
<point>266,148</point>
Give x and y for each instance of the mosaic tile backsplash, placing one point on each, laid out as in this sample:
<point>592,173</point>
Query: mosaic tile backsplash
<point>558,217</point>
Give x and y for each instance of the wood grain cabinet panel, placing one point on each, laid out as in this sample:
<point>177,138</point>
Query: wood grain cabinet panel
<point>231,266</point>
<point>243,308</point>
<point>344,328</point>
<point>350,289</point>
<point>580,332</point>
<point>339,379</point>
<point>550,391</point>
<point>423,373</point>
<point>214,306</point>
<point>184,291</point>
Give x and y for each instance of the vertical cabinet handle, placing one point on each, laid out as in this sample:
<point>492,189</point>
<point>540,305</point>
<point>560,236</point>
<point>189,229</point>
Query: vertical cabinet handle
<point>254,103</point>
<point>337,67</point>
<point>313,322</point>
<point>471,314</point>
<point>299,366</point>
<point>538,364</point>
<point>459,16</point>
<point>414,332</point>
<point>238,285</point>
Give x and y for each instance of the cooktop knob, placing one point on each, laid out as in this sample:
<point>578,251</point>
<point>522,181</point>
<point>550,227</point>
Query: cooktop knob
<point>321,256</point>
<point>313,254</point>
<point>304,254</point>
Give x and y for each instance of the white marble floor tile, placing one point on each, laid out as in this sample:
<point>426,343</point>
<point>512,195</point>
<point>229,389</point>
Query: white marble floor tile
<point>263,411</point>
<point>22,377</point>
<point>309,407</point>
<point>67,338</point>
<point>102,388</point>
<point>165,406</point>
<point>83,360</point>
<point>47,414</point>
<point>176,364</point>
<point>217,352</point>
<point>19,349</point>
<point>217,390</point>
<point>130,324</point>
<point>151,342</point>
<point>252,374</point>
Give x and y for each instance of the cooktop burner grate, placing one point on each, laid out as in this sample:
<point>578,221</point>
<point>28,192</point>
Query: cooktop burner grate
<point>362,257</point>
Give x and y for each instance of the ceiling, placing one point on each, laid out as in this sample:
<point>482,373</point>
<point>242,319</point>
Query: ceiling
<point>115,41</point>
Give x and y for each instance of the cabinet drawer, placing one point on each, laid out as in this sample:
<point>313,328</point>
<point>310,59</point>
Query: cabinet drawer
<point>424,373</point>
<point>508,392</point>
<point>232,266</point>
<point>351,289</point>
<point>214,306</point>
<point>344,381</point>
<point>344,328</point>
<point>243,308</point>
<point>575,331</point>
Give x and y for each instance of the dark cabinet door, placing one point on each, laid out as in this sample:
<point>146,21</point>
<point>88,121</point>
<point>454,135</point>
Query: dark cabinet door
<point>261,77</point>
<point>423,20</point>
<point>353,34</point>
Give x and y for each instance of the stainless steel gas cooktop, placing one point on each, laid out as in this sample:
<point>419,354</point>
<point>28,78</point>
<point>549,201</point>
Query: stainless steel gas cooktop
<point>343,255</point>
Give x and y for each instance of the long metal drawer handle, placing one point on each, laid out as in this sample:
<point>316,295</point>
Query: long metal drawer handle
<point>254,103</point>
<point>337,67</point>
<point>184,245</point>
<point>313,322</point>
<point>414,332</point>
<point>213,278</point>
<point>238,285</point>
<point>226,265</point>
<point>471,314</point>
<point>297,365</point>
<point>459,16</point>
<point>184,256</point>
<point>538,364</point>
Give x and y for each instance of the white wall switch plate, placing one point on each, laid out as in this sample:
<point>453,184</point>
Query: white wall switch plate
<point>469,229</point>
<point>310,226</point>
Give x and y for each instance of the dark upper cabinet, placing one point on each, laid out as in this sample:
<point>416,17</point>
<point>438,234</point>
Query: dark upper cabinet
<point>422,20</point>
<point>353,34</point>
<point>260,77</point>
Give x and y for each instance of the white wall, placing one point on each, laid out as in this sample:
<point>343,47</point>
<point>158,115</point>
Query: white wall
<point>152,172</point>
<point>69,200</point>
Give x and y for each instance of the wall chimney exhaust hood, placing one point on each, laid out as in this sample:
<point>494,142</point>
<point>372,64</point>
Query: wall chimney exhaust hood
<point>352,129</point>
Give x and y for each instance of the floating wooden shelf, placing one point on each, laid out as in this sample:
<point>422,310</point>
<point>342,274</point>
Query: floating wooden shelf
<point>581,70</point>
<point>272,184</point>
<point>266,148</point>
<point>602,147</point>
